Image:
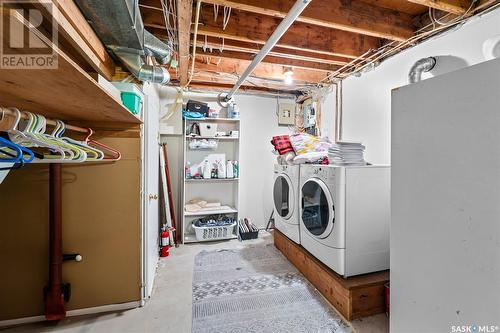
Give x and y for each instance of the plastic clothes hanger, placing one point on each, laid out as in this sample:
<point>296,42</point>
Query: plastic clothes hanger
<point>78,154</point>
<point>24,138</point>
<point>27,155</point>
<point>73,154</point>
<point>14,154</point>
<point>93,154</point>
<point>115,154</point>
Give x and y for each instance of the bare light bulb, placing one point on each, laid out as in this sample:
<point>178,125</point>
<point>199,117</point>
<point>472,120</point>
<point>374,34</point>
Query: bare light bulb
<point>288,77</point>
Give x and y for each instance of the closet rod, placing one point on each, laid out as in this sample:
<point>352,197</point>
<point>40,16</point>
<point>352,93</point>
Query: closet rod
<point>9,112</point>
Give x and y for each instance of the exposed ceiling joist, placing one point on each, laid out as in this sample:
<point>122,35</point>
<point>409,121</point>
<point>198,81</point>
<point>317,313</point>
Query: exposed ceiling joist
<point>254,28</point>
<point>253,48</point>
<point>264,70</point>
<point>457,7</point>
<point>215,54</point>
<point>353,16</point>
<point>184,37</point>
<point>251,27</point>
<point>216,86</point>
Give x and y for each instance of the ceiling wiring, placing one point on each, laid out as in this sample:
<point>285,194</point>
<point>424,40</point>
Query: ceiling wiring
<point>393,47</point>
<point>227,15</point>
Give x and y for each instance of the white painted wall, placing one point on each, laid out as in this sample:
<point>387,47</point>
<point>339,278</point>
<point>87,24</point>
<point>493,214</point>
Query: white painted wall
<point>259,123</point>
<point>367,99</point>
<point>445,234</point>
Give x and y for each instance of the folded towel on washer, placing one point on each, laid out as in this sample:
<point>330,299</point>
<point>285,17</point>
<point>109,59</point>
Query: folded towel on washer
<point>311,157</point>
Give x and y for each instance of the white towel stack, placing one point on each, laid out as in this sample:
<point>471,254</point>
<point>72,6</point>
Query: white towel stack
<point>346,153</point>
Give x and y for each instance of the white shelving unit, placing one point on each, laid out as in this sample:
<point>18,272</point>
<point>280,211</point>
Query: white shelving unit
<point>223,190</point>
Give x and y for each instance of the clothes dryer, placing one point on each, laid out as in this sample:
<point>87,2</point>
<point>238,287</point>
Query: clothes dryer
<point>345,216</point>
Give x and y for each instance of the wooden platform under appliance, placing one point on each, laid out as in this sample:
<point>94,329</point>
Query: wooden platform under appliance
<point>354,297</point>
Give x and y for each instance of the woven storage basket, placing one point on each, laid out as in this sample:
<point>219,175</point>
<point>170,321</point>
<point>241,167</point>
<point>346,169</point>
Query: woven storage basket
<point>214,233</point>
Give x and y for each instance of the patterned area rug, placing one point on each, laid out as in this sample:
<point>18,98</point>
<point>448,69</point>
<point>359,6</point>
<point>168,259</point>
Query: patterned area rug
<point>257,290</point>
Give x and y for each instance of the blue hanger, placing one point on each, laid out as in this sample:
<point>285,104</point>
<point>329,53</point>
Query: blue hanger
<point>14,158</point>
<point>25,150</point>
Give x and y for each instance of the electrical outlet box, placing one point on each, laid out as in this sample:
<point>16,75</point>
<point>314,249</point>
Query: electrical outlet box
<point>286,114</point>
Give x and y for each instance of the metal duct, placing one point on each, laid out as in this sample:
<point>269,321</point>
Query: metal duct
<point>142,71</point>
<point>156,48</point>
<point>118,23</point>
<point>421,66</point>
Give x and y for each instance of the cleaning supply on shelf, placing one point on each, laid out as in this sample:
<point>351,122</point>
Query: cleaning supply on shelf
<point>229,170</point>
<point>221,169</point>
<point>233,111</point>
<point>236,169</point>
<point>206,169</point>
<point>188,170</point>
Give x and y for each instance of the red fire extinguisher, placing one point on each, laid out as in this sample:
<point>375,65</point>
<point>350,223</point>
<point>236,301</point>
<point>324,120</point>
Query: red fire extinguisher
<point>164,244</point>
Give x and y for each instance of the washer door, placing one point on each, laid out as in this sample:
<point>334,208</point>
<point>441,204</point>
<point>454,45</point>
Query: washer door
<point>318,212</point>
<point>283,196</point>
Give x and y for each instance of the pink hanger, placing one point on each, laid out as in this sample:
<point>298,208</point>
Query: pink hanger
<point>115,154</point>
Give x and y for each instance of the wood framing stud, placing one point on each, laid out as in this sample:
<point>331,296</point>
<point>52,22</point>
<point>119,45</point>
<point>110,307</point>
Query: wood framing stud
<point>353,16</point>
<point>184,37</point>
<point>458,7</point>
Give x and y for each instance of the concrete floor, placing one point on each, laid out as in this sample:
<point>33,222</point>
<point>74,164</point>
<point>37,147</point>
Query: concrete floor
<point>169,309</point>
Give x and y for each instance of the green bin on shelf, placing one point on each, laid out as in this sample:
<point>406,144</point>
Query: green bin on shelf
<point>132,101</point>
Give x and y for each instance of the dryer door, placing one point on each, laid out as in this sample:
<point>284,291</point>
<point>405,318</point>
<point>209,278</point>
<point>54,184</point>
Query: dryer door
<point>318,212</point>
<point>283,194</point>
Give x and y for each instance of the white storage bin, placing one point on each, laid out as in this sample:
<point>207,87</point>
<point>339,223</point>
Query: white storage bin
<point>214,233</point>
<point>208,129</point>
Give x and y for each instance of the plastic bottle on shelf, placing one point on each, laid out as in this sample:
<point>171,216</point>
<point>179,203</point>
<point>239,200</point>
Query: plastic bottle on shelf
<point>236,112</point>
<point>236,169</point>
<point>221,169</point>
<point>229,170</point>
<point>207,169</point>
<point>188,170</point>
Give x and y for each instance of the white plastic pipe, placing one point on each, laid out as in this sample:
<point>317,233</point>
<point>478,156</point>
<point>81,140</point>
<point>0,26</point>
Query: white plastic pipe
<point>292,15</point>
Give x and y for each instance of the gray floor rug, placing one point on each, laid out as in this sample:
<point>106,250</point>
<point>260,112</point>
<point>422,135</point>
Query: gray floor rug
<point>257,289</point>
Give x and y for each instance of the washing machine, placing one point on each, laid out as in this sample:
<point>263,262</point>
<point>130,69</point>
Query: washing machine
<point>286,200</point>
<point>345,216</point>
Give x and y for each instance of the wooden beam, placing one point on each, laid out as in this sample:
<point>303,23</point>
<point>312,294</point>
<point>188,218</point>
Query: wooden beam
<point>184,37</point>
<point>75,29</point>
<point>254,48</point>
<point>210,86</point>
<point>226,54</point>
<point>353,16</point>
<point>458,7</point>
<point>253,28</point>
<point>264,70</point>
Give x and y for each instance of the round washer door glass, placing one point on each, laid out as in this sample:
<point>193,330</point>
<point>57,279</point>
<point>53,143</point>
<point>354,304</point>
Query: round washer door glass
<point>282,197</point>
<point>315,209</point>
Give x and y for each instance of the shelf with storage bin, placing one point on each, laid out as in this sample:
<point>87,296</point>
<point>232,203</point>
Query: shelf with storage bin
<point>222,190</point>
